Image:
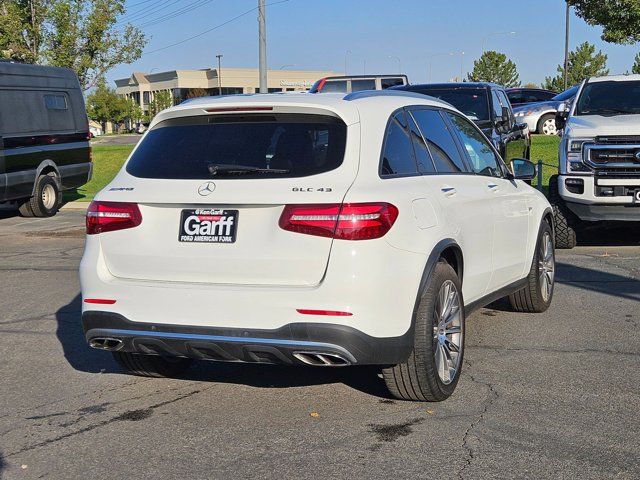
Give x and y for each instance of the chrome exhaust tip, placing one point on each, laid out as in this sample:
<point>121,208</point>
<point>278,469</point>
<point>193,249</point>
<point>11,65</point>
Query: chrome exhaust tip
<point>106,343</point>
<point>320,359</point>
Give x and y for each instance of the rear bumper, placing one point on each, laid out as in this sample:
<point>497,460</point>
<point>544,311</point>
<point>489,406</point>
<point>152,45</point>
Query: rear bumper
<point>278,346</point>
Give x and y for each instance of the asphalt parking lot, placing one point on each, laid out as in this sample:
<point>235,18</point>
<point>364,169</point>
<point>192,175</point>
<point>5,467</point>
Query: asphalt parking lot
<point>555,395</point>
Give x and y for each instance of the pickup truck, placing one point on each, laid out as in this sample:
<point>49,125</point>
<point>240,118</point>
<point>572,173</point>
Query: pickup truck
<point>599,157</point>
<point>487,105</point>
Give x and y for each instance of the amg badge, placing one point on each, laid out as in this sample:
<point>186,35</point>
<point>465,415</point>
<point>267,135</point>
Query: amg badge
<point>208,226</point>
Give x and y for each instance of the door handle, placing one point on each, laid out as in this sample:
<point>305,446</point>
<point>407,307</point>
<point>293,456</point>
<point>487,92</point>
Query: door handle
<point>448,191</point>
<point>493,187</point>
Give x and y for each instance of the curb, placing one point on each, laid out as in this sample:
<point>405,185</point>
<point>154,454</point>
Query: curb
<point>75,206</point>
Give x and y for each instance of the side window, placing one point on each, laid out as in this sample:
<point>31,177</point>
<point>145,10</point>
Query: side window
<point>423,157</point>
<point>397,156</point>
<point>496,105</point>
<point>483,159</point>
<point>55,102</point>
<point>516,97</point>
<point>368,84</point>
<point>390,82</point>
<point>505,103</point>
<point>442,146</point>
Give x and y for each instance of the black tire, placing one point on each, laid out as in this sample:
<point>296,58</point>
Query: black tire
<point>532,298</point>
<point>564,220</point>
<point>152,365</point>
<point>541,122</point>
<point>417,378</point>
<point>46,200</point>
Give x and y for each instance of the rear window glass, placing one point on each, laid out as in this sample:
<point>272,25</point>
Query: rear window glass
<point>290,145</point>
<point>397,156</point>
<point>335,86</point>
<point>358,85</point>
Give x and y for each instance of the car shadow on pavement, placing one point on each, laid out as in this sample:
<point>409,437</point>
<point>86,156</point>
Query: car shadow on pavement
<point>2,463</point>
<point>76,351</point>
<point>83,358</point>
<point>612,234</point>
<point>599,281</point>
<point>8,213</point>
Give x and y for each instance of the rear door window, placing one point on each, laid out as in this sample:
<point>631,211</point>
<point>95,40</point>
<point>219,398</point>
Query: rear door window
<point>442,146</point>
<point>294,145</point>
<point>397,151</point>
<point>423,157</point>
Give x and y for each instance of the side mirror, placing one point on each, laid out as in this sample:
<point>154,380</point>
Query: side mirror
<point>562,114</point>
<point>523,169</point>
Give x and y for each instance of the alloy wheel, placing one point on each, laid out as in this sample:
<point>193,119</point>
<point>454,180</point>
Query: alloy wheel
<point>546,266</point>
<point>549,127</point>
<point>448,332</point>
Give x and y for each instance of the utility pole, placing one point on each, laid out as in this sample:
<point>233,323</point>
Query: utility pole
<point>219,56</point>
<point>262,34</point>
<point>566,47</point>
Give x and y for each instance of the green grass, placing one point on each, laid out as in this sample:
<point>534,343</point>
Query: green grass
<point>545,148</point>
<point>107,160</point>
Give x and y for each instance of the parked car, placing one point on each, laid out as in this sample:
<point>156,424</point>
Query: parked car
<point>356,83</point>
<point>94,131</point>
<point>44,137</point>
<point>324,230</point>
<point>599,168</point>
<point>487,105</point>
<point>522,96</point>
<point>540,117</point>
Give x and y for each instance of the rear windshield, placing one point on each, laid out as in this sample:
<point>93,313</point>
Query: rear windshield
<point>259,145</point>
<point>472,102</point>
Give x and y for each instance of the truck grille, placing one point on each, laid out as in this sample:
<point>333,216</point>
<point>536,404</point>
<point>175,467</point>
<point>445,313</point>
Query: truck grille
<point>619,139</point>
<point>613,157</point>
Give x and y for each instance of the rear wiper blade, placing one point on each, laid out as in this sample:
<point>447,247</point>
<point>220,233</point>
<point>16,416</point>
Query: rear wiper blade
<point>222,169</point>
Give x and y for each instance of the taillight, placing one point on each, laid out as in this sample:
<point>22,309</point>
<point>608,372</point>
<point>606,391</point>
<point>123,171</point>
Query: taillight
<point>348,221</point>
<point>109,216</point>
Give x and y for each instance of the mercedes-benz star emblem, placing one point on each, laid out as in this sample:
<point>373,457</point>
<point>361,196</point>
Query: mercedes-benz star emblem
<point>638,156</point>
<point>206,188</point>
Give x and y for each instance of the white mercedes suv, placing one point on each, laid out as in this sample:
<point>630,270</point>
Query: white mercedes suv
<point>324,230</point>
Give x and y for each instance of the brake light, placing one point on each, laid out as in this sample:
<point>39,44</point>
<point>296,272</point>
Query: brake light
<point>109,216</point>
<point>100,301</point>
<point>348,221</point>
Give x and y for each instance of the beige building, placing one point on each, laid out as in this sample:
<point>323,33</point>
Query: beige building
<point>183,84</point>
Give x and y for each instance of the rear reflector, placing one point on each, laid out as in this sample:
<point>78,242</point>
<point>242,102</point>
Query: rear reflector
<point>99,301</point>
<point>331,313</point>
<point>110,216</point>
<point>348,221</point>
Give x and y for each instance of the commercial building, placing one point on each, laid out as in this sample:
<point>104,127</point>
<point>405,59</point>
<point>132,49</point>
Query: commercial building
<point>184,84</point>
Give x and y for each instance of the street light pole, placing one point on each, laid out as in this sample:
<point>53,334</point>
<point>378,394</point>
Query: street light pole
<point>461,64</point>
<point>396,58</point>
<point>219,57</point>
<point>566,47</point>
<point>262,34</point>
<point>345,60</point>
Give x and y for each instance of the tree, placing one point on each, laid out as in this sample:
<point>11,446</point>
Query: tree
<point>530,85</point>
<point>104,105</point>
<point>21,28</point>
<point>584,62</point>
<point>196,93</point>
<point>161,100</point>
<point>495,67</point>
<point>636,65</point>
<point>620,19</point>
<point>83,35</point>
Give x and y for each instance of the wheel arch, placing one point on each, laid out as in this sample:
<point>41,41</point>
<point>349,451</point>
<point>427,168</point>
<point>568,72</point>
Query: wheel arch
<point>46,167</point>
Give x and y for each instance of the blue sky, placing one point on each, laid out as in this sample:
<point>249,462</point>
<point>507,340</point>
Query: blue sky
<point>313,34</point>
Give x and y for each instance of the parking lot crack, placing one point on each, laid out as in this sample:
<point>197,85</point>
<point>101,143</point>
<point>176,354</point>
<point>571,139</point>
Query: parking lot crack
<point>469,436</point>
<point>132,415</point>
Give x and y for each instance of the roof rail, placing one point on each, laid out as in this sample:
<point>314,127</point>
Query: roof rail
<point>386,93</point>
